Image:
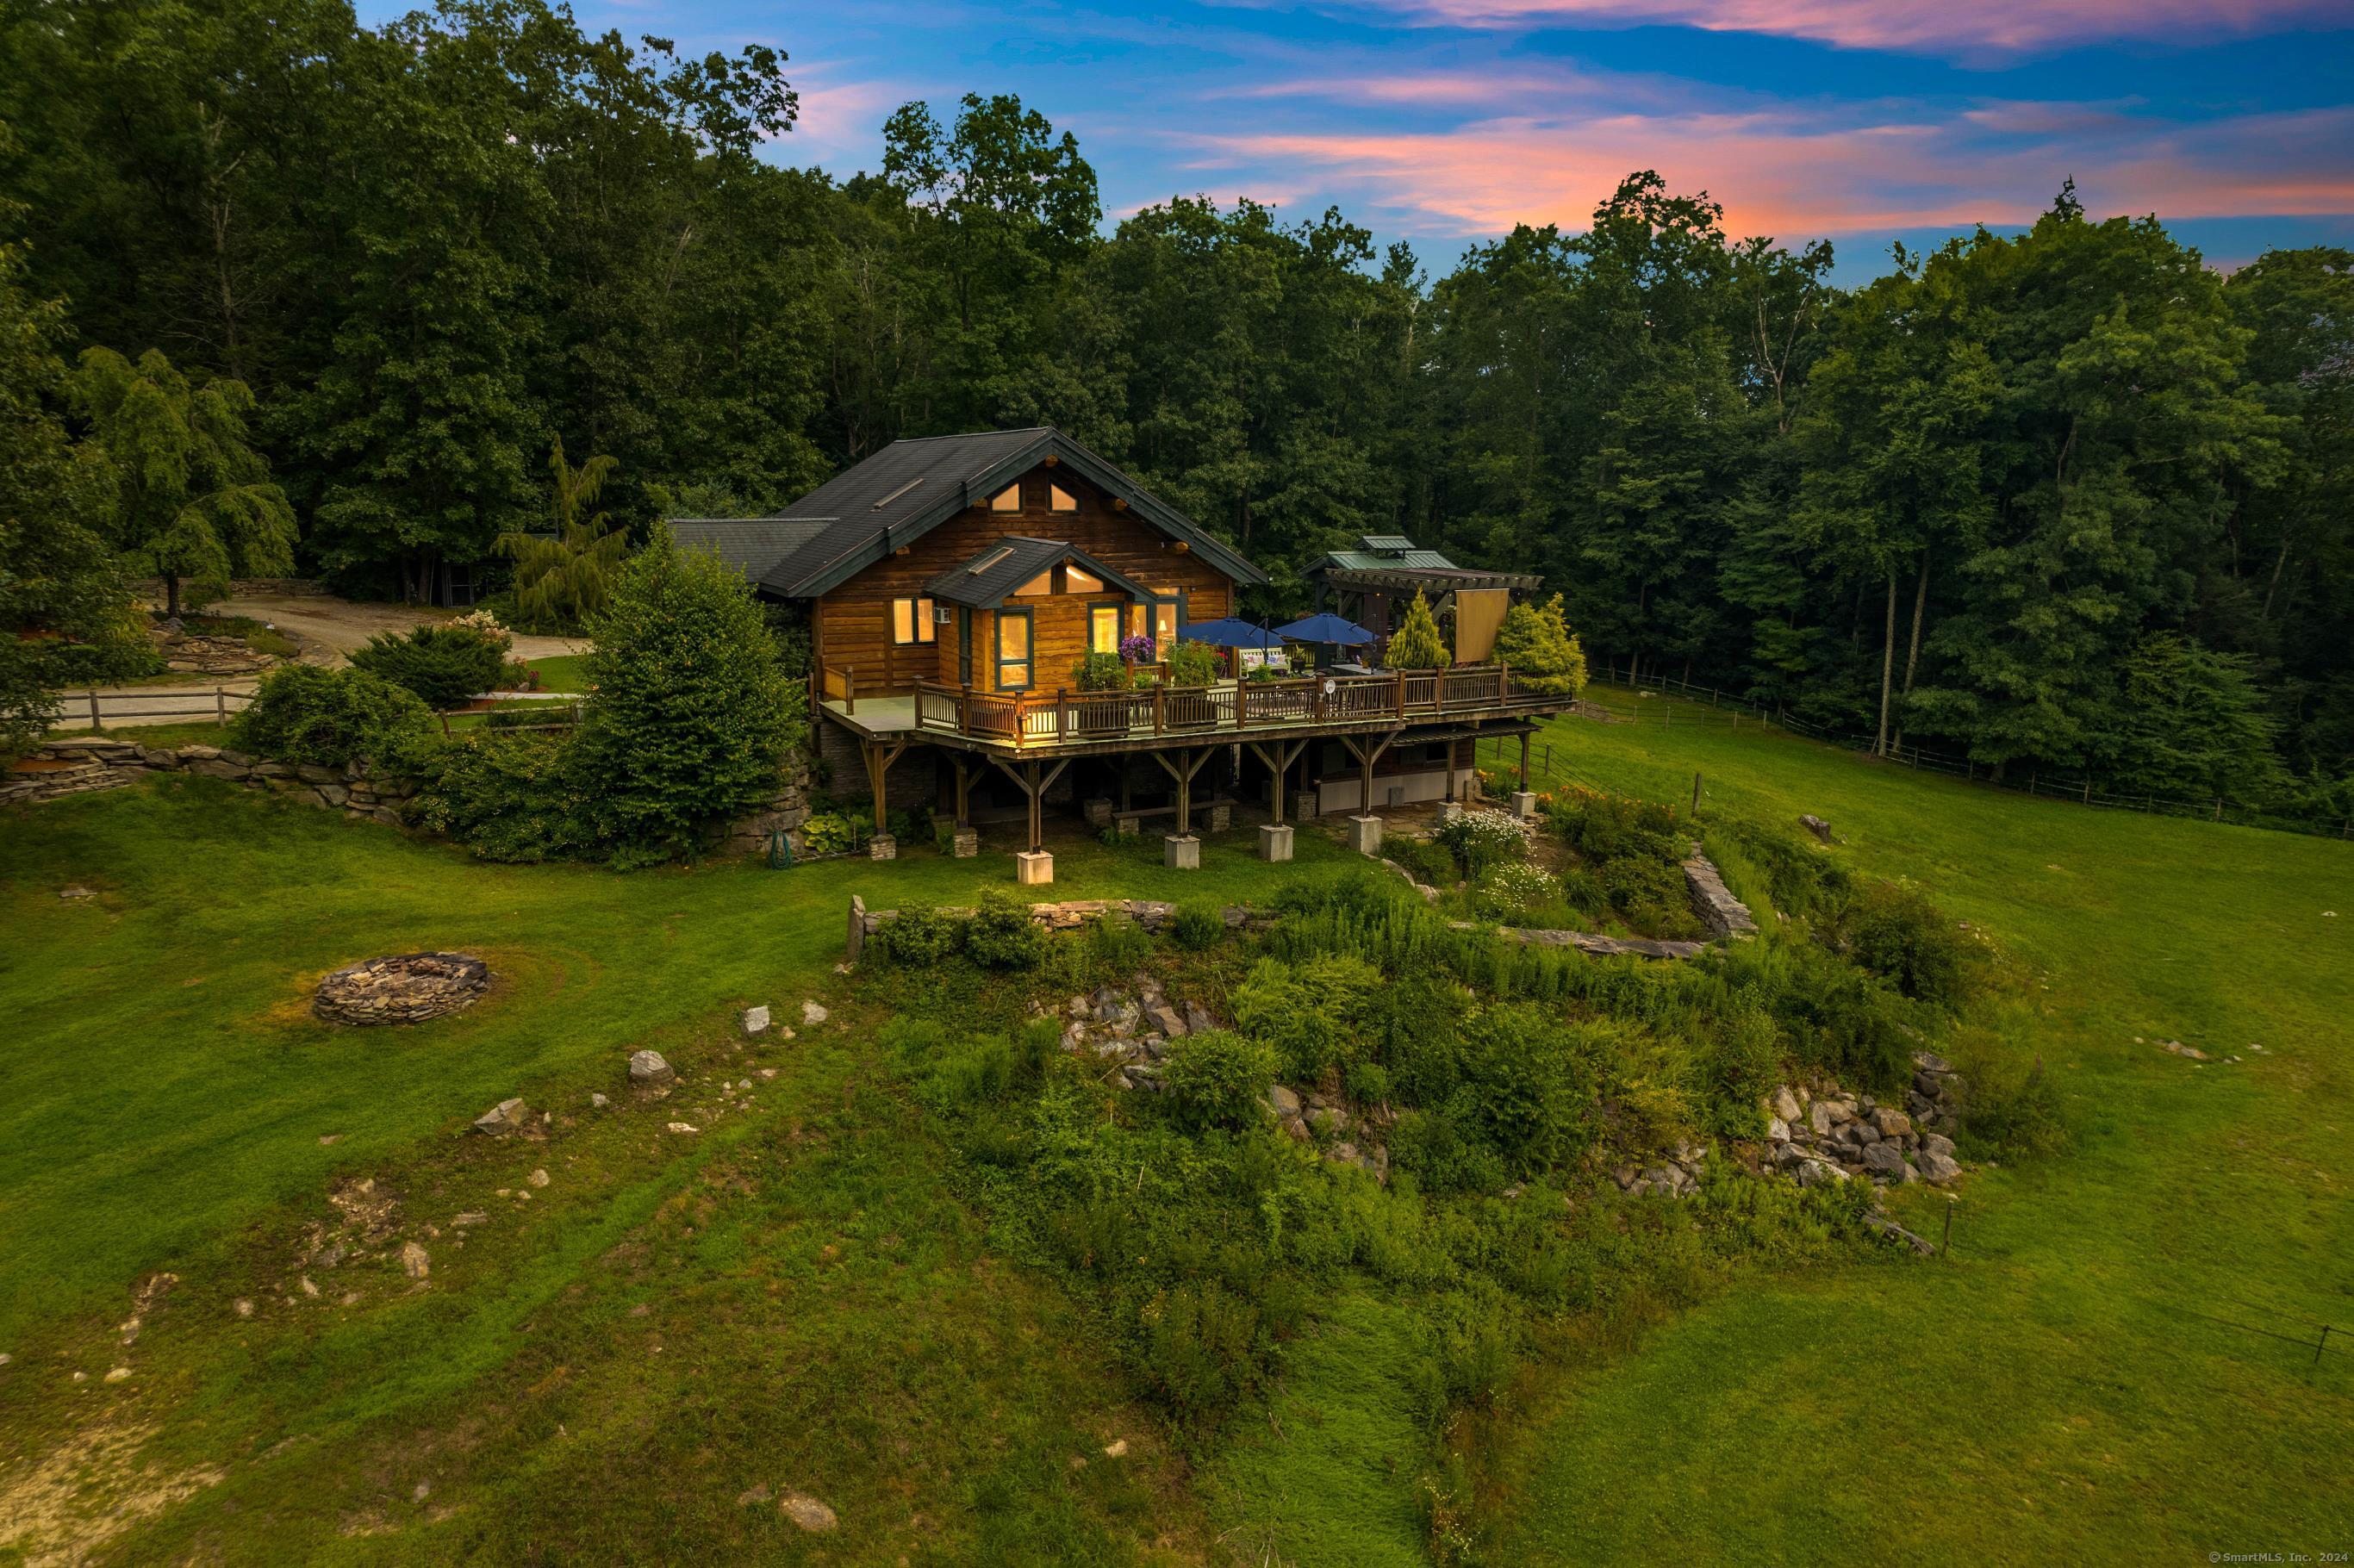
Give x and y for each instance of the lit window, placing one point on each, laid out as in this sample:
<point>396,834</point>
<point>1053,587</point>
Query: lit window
<point>1012,649</point>
<point>1164,618</point>
<point>911,620</point>
<point>1044,583</point>
<point>1139,625</point>
<point>1077,581</point>
<point>1103,629</point>
<point>1061,500</point>
<point>1007,500</point>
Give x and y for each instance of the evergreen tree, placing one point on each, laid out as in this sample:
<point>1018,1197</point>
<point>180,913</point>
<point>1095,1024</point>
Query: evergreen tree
<point>1416,645</point>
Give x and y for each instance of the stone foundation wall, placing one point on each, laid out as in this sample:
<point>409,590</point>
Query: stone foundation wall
<point>914,779</point>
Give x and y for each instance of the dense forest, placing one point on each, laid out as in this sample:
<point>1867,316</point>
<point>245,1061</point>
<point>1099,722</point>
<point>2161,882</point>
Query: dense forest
<point>2070,498</point>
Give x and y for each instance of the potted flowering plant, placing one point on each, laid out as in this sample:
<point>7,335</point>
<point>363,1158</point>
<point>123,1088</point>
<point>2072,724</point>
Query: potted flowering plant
<point>1137,649</point>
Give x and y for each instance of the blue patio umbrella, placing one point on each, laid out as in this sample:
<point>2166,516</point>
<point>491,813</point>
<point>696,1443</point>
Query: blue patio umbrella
<point>1230,633</point>
<point>1326,628</point>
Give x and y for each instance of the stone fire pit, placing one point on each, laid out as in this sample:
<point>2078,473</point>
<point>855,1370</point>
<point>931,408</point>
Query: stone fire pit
<point>409,989</point>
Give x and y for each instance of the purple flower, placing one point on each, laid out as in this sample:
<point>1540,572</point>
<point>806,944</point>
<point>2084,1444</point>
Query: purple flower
<point>1137,649</point>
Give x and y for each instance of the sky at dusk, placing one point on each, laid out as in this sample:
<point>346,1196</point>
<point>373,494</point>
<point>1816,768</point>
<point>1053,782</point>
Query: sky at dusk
<point>1446,121</point>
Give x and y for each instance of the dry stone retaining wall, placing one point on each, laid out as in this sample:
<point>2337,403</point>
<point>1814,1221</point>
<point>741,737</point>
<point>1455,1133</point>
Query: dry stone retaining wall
<point>78,767</point>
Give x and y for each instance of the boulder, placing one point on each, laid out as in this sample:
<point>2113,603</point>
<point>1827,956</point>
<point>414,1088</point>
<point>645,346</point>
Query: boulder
<point>1818,1173</point>
<point>1815,825</point>
<point>1785,1104</point>
<point>1891,1122</point>
<point>1937,1143</point>
<point>1861,1134</point>
<point>414,1261</point>
<point>503,1117</point>
<point>1330,1121</point>
<point>648,1068</point>
<point>1819,1118</point>
<point>1164,1017</point>
<point>813,1013</point>
<point>1284,1101</point>
<point>1938,1170</point>
<point>807,1511</point>
<point>1776,1130</point>
<point>1930,1062</point>
<point>1884,1159</point>
<point>756,1019</point>
<point>1198,1019</point>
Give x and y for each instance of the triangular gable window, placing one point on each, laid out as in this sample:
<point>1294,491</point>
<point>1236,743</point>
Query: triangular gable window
<point>1007,500</point>
<point>1061,500</point>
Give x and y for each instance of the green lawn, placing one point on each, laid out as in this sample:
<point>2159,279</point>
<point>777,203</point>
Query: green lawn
<point>821,1312</point>
<point>795,1296</point>
<point>564,673</point>
<point>2048,1393</point>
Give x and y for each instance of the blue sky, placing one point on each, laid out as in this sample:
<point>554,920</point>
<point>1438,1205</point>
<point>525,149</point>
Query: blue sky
<point>1445,121</point>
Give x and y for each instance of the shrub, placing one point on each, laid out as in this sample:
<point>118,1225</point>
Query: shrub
<point>1099,673</point>
<point>330,717</point>
<point>2016,1114</point>
<point>1218,1078</point>
<point>1416,645</point>
<point>694,717</point>
<point>1532,1083</point>
<point>920,937</point>
<point>829,833</point>
<point>1002,936</point>
<point>444,665</point>
<point>1200,1350</point>
<point>1307,1011</point>
<point>1609,827</point>
<point>1801,878</point>
<point>1198,926</point>
<point>1535,641</point>
<point>1115,946</point>
<point>1441,1153</point>
<point>509,796</point>
<point>1192,664</point>
<point>1510,892</point>
<point>1479,839</point>
<point>1899,935</point>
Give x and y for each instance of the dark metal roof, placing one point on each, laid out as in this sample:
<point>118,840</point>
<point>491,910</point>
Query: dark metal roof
<point>750,545</point>
<point>1405,579</point>
<point>910,488</point>
<point>985,581</point>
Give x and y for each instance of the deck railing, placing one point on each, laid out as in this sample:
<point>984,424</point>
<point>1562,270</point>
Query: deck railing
<point>1070,718</point>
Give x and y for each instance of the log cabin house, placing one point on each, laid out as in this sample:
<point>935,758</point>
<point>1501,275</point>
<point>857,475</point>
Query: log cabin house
<point>951,584</point>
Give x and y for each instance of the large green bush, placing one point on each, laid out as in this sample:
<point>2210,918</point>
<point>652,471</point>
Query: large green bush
<point>1217,1078</point>
<point>1898,933</point>
<point>693,717</point>
<point>1002,935</point>
<point>443,665</point>
<point>330,717</point>
<point>511,797</point>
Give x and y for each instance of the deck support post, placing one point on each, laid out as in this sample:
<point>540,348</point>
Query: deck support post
<point>1278,756</point>
<point>1526,736</point>
<point>1184,782</point>
<point>964,789</point>
<point>1033,787</point>
<point>1366,756</point>
<point>880,755</point>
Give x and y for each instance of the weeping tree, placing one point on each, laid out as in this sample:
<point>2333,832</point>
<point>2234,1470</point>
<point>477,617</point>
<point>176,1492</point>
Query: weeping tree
<point>197,505</point>
<point>563,578</point>
<point>1416,644</point>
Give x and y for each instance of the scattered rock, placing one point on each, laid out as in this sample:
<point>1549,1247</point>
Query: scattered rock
<point>753,1494</point>
<point>1937,1143</point>
<point>1815,825</point>
<point>647,1068</point>
<point>1785,1105</point>
<point>813,1014</point>
<point>683,1127</point>
<point>469,1218</point>
<point>76,892</point>
<point>1331,1121</point>
<point>804,1509</point>
<point>2179,1049</point>
<point>329,1140</point>
<point>756,1019</point>
<point>598,1102</point>
<point>1885,1159</point>
<point>1116,1448</point>
<point>244,1307</point>
<point>503,1118</point>
<point>118,1374</point>
<point>414,1261</point>
<point>537,1178</point>
<point>1284,1101</point>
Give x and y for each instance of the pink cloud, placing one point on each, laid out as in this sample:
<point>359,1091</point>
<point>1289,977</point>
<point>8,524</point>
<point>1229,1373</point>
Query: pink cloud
<point>1780,173</point>
<point>1996,26</point>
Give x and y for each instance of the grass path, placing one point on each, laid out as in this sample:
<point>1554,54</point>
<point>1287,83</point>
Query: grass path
<point>2046,1394</point>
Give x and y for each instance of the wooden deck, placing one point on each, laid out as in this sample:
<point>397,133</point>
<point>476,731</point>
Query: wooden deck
<point>1071,723</point>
